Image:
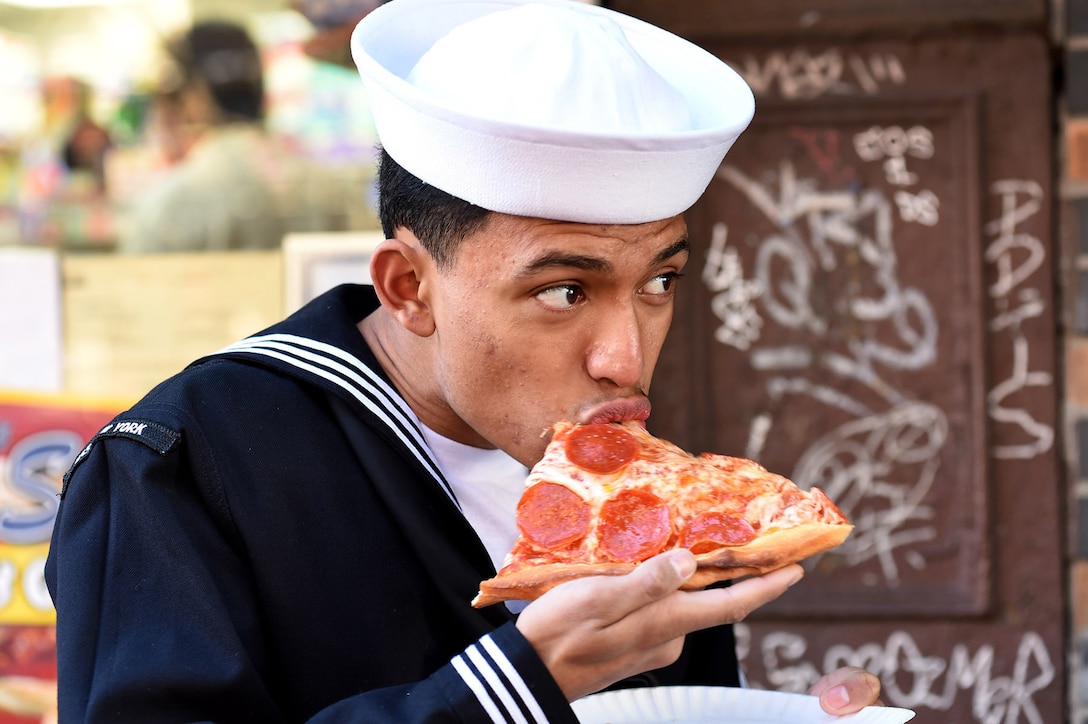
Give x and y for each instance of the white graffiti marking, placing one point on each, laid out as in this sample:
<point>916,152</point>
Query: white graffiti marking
<point>920,207</point>
<point>879,142</point>
<point>911,679</point>
<point>892,145</point>
<point>799,74</point>
<point>1015,256</point>
<point>879,465</point>
<point>732,302</point>
<point>896,173</point>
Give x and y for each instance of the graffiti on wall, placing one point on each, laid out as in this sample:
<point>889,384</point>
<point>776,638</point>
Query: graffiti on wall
<point>1015,255</point>
<point>1001,689</point>
<point>800,74</point>
<point>881,464</point>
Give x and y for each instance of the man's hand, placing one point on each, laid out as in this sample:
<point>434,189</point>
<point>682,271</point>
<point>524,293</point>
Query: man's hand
<point>847,690</point>
<point>595,631</point>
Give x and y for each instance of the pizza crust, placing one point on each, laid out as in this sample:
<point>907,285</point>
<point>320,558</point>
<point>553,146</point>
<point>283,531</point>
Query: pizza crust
<point>766,553</point>
<point>532,582</point>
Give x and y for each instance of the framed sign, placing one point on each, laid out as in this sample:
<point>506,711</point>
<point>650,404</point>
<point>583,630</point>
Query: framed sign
<point>317,262</point>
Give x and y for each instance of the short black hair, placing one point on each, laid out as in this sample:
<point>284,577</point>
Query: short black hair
<point>225,58</point>
<point>439,220</point>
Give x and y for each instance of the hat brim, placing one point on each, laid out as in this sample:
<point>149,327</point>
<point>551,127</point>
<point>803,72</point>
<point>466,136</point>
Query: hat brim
<point>526,170</point>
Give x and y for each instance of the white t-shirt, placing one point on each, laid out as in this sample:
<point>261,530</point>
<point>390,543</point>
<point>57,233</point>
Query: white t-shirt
<point>488,485</point>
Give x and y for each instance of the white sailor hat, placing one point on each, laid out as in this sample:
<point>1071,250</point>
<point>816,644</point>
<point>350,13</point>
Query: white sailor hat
<point>549,108</point>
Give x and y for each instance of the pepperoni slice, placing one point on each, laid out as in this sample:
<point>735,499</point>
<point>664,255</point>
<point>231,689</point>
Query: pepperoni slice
<point>634,525</point>
<point>552,516</point>
<point>708,531</point>
<point>601,448</point>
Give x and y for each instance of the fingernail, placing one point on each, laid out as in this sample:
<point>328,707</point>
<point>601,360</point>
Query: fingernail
<point>837,697</point>
<point>684,564</point>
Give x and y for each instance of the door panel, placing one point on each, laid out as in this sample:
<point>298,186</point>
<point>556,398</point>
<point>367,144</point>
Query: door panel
<point>869,308</point>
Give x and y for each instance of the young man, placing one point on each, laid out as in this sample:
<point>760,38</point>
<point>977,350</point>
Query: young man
<point>293,529</point>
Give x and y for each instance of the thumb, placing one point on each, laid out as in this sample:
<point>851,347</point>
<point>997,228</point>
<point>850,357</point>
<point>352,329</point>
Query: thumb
<point>659,576</point>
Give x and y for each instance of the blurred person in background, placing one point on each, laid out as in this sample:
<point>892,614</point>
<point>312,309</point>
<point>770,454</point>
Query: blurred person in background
<point>61,168</point>
<point>233,186</point>
<point>85,143</point>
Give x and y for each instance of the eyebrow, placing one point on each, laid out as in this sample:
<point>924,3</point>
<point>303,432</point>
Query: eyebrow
<point>671,251</point>
<point>593,263</point>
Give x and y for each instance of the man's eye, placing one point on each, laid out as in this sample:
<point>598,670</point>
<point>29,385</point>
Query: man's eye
<point>662,284</point>
<point>561,297</point>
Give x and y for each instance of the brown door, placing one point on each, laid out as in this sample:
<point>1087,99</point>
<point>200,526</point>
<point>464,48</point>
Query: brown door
<point>869,308</point>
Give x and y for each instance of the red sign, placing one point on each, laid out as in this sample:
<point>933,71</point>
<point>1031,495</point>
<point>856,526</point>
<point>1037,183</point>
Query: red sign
<point>39,438</point>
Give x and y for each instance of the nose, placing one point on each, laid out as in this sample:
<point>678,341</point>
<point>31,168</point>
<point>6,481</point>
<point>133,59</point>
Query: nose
<point>617,352</point>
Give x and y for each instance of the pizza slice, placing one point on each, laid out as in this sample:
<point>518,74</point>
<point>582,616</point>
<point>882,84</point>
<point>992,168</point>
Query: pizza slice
<point>607,496</point>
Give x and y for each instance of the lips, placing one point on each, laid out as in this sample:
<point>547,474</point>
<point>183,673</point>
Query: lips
<point>626,409</point>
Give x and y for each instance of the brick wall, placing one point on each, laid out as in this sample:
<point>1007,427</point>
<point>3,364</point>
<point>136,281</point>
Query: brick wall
<point>1072,118</point>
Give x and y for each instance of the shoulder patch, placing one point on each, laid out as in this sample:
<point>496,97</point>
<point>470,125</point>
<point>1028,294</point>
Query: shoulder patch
<point>152,434</point>
<point>157,437</point>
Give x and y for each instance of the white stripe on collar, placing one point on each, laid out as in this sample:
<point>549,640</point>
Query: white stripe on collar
<point>357,379</point>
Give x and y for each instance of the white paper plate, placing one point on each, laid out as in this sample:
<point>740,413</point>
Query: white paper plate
<point>703,704</point>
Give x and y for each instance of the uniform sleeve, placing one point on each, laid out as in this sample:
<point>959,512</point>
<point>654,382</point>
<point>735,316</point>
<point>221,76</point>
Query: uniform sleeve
<point>157,620</point>
<point>497,679</point>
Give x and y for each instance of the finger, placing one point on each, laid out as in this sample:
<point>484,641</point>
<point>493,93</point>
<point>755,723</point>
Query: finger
<point>661,575</point>
<point>651,581</point>
<point>847,690</point>
<point>607,599</point>
<point>688,611</point>
<point>716,606</point>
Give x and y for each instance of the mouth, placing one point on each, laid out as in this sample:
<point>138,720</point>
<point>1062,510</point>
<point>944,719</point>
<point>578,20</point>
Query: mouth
<point>626,409</point>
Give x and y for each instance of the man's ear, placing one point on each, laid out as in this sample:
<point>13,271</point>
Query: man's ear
<point>397,269</point>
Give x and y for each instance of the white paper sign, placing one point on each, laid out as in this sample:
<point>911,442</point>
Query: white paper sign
<point>31,355</point>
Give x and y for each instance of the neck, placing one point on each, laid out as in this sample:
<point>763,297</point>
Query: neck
<point>409,361</point>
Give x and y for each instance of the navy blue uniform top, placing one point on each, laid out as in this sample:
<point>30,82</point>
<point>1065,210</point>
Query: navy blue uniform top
<point>265,537</point>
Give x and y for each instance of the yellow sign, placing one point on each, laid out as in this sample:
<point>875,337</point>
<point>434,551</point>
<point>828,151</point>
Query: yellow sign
<point>23,596</point>
<point>40,436</point>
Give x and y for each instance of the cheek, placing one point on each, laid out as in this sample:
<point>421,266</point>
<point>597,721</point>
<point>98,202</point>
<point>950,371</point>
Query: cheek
<point>478,363</point>
<point>497,390</point>
<point>500,376</point>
